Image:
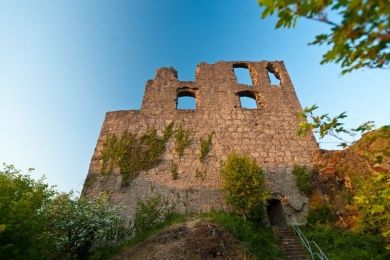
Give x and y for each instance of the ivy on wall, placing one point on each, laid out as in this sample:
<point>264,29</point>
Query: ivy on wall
<point>182,139</point>
<point>205,146</point>
<point>133,154</point>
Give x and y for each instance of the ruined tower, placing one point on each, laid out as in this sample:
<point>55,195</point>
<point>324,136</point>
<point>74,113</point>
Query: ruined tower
<point>267,133</point>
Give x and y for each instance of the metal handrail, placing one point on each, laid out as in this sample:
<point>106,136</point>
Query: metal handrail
<point>311,246</point>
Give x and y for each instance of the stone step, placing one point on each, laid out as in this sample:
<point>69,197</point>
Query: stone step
<point>297,257</point>
<point>289,239</point>
<point>290,244</point>
<point>293,248</point>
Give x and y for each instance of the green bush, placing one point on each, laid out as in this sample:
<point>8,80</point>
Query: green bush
<point>303,179</point>
<point>257,215</point>
<point>372,200</point>
<point>243,183</point>
<point>342,244</point>
<point>72,226</point>
<point>258,240</point>
<point>109,251</point>
<point>38,223</point>
<point>22,223</point>
<point>151,212</point>
<point>320,216</point>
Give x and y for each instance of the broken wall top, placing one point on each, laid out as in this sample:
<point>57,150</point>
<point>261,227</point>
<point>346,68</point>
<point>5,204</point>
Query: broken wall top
<point>216,87</point>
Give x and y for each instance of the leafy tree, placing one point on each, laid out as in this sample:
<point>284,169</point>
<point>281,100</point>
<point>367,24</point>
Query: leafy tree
<point>324,125</point>
<point>75,225</point>
<point>22,201</point>
<point>243,183</point>
<point>360,40</point>
<point>373,201</point>
<point>38,223</point>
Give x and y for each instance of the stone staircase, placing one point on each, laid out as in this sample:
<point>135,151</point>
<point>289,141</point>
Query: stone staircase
<point>289,243</point>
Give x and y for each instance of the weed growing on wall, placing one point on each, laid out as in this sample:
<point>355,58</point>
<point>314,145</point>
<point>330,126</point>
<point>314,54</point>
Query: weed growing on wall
<point>205,146</point>
<point>133,154</point>
<point>174,172</point>
<point>182,139</point>
<point>89,181</point>
<point>168,131</point>
<point>201,174</point>
<point>112,150</point>
<point>303,179</point>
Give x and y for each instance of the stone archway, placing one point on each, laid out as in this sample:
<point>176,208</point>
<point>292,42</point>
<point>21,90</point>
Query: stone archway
<point>275,213</point>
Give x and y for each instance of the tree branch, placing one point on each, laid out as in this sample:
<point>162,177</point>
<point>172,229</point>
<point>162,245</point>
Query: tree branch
<point>322,19</point>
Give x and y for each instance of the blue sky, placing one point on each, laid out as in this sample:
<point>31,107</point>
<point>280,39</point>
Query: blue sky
<point>64,64</point>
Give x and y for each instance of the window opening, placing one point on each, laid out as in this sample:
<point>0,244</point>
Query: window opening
<point>247,100</point>
<point>186,101</point>
<point>242,74</point>
<point>273,76</point>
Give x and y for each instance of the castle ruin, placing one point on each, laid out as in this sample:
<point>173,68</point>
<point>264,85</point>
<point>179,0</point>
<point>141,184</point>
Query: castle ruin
<point>266,133</point>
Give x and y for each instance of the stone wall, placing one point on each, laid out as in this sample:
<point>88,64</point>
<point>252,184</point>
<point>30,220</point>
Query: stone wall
<point>267,133</point>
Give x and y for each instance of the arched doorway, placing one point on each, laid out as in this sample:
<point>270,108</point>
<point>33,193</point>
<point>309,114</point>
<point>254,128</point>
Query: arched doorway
<point>275,213</point>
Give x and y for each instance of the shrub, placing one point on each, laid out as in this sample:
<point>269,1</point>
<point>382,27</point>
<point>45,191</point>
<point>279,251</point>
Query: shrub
<point>243,183</point>
<point>341,244</point>
<point>22,200</point>
<point>372,199</point>
<point>257,215</point>
<point>322,215</point>
<point>110,251</point>
<point>74,226</point>
<point>258,240</point>
<point>37,223</point>
<point>303,179</point>
<point>151,212</point>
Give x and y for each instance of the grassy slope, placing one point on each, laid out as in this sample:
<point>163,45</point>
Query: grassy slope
<point>257,241</point>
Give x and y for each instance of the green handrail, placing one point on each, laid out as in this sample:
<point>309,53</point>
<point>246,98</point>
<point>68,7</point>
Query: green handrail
<point>311,246</point>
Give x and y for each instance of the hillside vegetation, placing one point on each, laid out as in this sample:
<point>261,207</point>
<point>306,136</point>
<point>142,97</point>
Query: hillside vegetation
<point>214,235</point>
<point>349,193</point>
